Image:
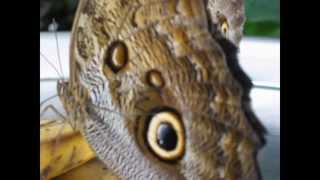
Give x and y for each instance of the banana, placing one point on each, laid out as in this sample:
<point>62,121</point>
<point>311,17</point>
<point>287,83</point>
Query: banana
<point>92,170</point>
<point>61,149</point>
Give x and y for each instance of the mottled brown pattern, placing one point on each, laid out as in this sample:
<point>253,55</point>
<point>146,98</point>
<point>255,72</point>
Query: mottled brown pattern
<point>84,43</point>
<point>89,8</point>
<point>182,41</point>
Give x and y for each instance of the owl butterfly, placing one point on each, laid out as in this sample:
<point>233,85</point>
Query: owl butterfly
<point>156,89</point>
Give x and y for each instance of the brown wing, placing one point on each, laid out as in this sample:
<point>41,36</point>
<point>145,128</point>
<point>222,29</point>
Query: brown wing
<point>136,57</point>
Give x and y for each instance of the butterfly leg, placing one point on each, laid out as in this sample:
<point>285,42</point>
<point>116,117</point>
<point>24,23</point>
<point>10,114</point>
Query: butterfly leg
<point>54,109</point>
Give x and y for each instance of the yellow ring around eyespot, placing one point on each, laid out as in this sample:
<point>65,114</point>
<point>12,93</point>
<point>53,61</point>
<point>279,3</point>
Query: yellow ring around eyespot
<point>224,27</point>
<point>173,119</point>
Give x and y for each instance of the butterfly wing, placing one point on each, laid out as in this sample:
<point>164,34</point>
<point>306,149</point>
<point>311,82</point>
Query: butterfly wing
<point>134,60</point>
<point>227,17</point>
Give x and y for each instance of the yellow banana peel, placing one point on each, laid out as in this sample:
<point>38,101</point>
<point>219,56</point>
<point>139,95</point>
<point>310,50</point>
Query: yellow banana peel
<point>61,149</point>
<point>92,170</point>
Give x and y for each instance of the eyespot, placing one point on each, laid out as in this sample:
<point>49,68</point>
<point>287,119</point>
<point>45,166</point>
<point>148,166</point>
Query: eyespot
<point>223,21</point>
<point>155,79</point>
<point>165,135</point>
<point>117,56</point>
<point>224,27</point>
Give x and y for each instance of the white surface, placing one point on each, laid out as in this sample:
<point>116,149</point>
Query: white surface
<point>260,58</point>
<point>48,47</point>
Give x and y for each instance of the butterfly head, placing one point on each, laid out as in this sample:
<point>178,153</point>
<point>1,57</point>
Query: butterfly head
<point>65,96</point>
<point>62,89</point>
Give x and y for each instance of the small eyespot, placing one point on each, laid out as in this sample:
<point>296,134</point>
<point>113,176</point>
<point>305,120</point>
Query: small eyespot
<point>155,79</point>
<point>117,56</point>
<point>224,27</point>
<point>223,22</point>
<point>165,135</point>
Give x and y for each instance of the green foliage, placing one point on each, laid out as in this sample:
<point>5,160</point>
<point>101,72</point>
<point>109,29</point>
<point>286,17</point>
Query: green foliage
<point>263,18</point>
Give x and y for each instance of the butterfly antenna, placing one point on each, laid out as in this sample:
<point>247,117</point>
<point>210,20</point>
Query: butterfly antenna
<point>49,62</point>
<point>54,28</point>
<point>48,99</point>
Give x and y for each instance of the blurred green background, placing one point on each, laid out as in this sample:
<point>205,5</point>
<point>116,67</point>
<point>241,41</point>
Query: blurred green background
<point>263,16</point>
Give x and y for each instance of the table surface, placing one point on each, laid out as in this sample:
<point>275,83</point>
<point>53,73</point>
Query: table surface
<point>260,58</point>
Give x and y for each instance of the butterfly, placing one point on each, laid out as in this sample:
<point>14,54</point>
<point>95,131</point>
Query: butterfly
<point>156,89</point>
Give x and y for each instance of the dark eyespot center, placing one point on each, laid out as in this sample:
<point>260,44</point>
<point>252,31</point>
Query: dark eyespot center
<point>166,136</point>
